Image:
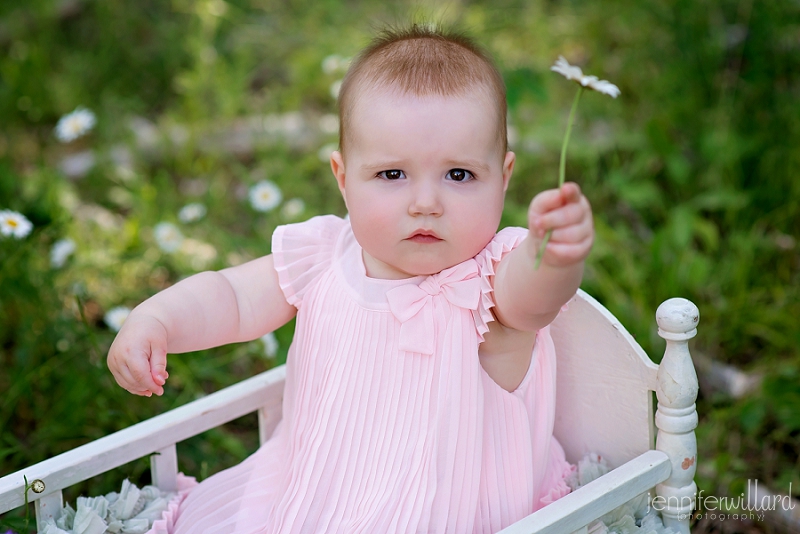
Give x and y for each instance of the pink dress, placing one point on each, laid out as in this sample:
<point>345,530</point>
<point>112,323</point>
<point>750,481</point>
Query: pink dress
<point>390,424</point>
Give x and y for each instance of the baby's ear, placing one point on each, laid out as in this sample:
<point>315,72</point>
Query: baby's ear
<point>508,168</point>
<point>337,167</point>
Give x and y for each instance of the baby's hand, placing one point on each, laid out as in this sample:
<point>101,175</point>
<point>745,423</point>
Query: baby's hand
<point>567,212</point>
<point>138,356</point>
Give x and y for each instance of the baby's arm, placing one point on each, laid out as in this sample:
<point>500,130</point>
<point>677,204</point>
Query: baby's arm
<point>526,298</point>
<point>205,310</point>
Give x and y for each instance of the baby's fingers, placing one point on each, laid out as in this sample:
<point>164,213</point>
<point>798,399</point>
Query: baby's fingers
<point>551,199</point>
<point>575,233</point>
<point>135,377</point>
<point>126,381</point>
<point>571,214</point>
<point>570,192</point>
<point>545,201</point>
<point>564,254</point>
<point>158,366</point>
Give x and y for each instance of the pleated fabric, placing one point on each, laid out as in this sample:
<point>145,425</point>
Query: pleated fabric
<point>379,439</point>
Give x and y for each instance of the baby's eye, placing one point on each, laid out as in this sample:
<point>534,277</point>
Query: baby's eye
<point>460,175</point>
<point>394,174</point>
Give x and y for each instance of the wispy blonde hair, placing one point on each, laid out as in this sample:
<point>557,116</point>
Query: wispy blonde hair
<point>423,60</point>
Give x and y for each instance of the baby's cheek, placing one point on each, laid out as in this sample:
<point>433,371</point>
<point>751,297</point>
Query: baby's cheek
<point>480,230</point>
<point>373,231</point>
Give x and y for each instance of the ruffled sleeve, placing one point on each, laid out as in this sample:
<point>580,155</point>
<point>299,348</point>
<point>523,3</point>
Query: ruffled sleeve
<point>302,252</point>
<point>503,242</point>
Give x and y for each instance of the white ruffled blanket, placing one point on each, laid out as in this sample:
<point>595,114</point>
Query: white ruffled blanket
<point>131,511</point>
<point>151,511</point>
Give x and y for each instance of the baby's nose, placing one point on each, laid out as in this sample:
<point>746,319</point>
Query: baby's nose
<point>425,201</point>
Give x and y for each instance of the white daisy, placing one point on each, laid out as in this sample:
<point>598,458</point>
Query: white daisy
<point>168,237</point>
<point>601,86</point>
<point>77,165</point>
<point>265,196</point>
<point>292,124</point>
<point>270,344</point>
<point>116,316</point>
<point>570,72</point>
<point>335,63</point>
<point>200,254</point>
<point>331,63</point>
<point>575,74</point>
<point>329,124</point>
<point>75,124</point>
<point>14,224</point>
<point>292,208</point>
<point>324,153</point>
<point>192,212</point>
<point>335,88</point>
<point>62,249</point>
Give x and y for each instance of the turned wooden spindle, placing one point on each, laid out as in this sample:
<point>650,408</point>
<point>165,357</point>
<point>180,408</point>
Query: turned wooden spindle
<point>676,417</point>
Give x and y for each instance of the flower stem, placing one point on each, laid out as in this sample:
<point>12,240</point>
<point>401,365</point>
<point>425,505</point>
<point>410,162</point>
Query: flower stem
<point>562,167</point>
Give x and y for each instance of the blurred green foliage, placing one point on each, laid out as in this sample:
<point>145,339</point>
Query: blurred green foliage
<point>692,174</point>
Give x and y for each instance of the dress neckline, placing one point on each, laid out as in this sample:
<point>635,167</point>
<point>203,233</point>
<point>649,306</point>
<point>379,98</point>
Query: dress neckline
<point>367,291</point>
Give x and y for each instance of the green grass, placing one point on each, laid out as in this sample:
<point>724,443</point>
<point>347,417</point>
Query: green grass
<point>691,174</point>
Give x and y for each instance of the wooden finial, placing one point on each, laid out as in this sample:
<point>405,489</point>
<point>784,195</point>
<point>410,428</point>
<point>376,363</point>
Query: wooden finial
<point>676,417</point>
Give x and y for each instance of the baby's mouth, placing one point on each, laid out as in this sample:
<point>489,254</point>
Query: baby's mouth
<point>424,236</point>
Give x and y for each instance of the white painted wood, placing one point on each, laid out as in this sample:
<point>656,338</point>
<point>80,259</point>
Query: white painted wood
<point>604,381</point>
<point>676,417</point>
<point>145,438</point>
<point>604,405</point>
<point>268,418</point>
<point>47,507</point>
<point>164,468</point>
<point>579,508</point>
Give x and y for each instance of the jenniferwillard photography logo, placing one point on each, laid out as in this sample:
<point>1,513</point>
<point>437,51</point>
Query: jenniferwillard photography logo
<point>748,505</point>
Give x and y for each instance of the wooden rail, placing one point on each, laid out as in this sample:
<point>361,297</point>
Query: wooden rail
<point>575,510</point>
<point>262,393</point>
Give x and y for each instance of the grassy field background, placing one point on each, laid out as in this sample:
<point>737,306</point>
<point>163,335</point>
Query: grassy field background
<point>692,174</point>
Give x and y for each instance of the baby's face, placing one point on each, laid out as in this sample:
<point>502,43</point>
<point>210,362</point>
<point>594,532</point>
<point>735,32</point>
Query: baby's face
<point>422,165</point>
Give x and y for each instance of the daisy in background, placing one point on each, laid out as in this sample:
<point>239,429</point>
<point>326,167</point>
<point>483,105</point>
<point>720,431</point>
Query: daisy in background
<point>335,88</point>
<point>200,254</point>
<point>61,251</point>
<point>270,344</point>
<point>116,316</point>
<point>335,63</point>
<point>265,196</point>
<point>14,224</point>
<point>329,124</point>
<point>293,208</point>
<point>168,237</point>
<point>324,153</point>
<point>75,124</point>
<point>571,72</point>
<point>192,212</point>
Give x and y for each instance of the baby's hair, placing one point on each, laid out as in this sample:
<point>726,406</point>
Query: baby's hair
<point>423,60</point>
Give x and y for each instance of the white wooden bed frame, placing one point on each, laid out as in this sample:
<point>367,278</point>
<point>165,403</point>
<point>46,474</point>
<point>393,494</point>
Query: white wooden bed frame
<point>604,405</point>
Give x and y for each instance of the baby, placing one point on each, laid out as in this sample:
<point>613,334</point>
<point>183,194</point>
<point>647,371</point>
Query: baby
<point>420,385</point>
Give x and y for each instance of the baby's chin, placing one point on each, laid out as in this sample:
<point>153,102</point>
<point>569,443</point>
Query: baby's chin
<point>430,266</point>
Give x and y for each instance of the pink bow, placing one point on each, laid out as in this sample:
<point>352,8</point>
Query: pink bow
<point>412,304</point>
